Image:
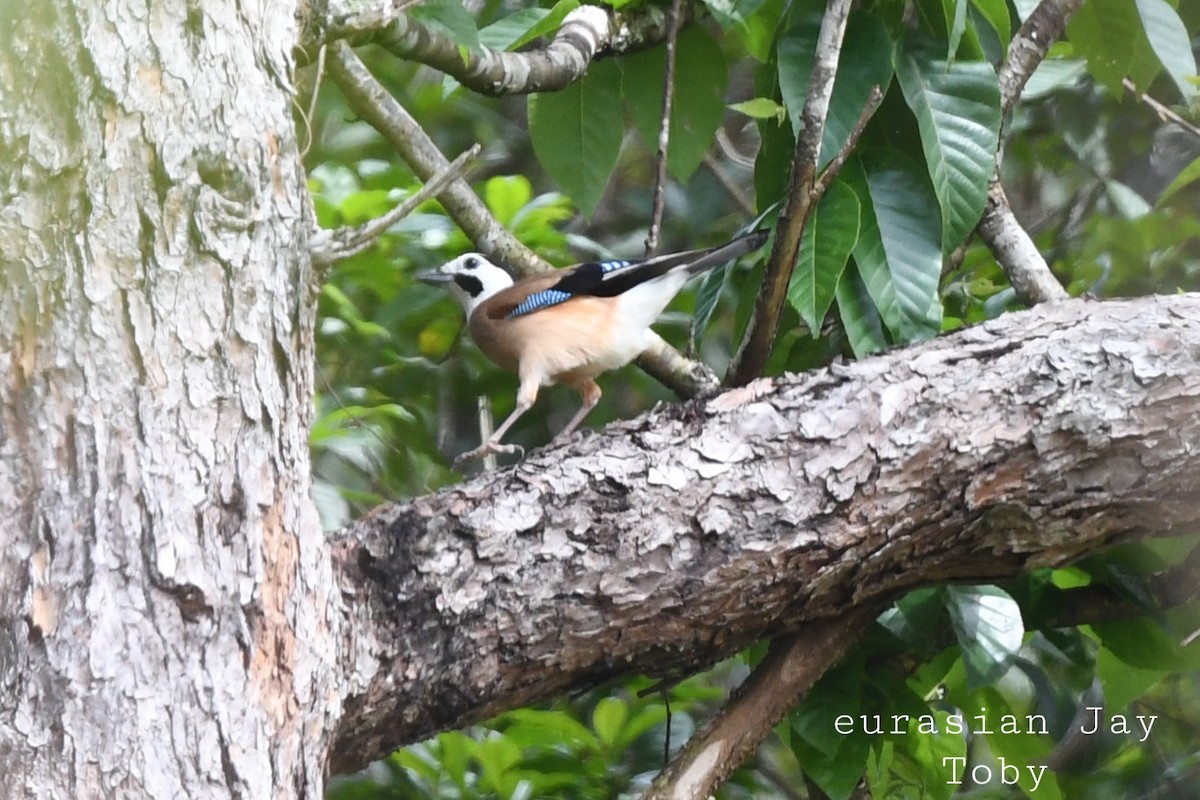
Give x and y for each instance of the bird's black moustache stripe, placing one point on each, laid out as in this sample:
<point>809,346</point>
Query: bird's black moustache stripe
<point>469,284</point>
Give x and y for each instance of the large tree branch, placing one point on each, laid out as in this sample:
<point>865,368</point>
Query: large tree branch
<point>669,541</point>
<point>586,33</point>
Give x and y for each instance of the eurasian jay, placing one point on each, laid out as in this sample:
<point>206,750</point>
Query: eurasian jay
<point>569,325</point>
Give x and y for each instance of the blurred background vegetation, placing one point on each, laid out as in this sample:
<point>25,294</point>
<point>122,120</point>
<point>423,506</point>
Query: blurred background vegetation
<point>1100,177</point>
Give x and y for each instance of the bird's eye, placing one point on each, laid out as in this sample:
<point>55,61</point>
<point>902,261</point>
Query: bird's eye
<point>471,263</point>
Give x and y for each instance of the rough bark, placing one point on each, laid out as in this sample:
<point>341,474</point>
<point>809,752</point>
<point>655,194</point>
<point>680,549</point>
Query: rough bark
<point>164,621</point>
<point>667,542</point>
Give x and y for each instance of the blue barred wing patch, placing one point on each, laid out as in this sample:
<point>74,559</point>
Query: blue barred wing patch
<point>609,266</point>
<point>540,300</point>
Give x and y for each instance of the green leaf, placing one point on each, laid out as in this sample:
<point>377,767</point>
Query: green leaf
<point>829,238</point>
<point>864,328</point>
<point>913,618</point>
<point>531,727</point>
<point>576,135</point>
<point>1129,204</point>
<point>922,758</point>
<point>1101,31</point>
<point>522,27</point>
<point>866,62</point>
<point>450,18</point>
<point>1169,39</point>
<point>837,775</point>
<point>647,718</point>
<point>956,22</point>
<point>1024,8</point>
<point>707,296</point>
<point>957,106</point>
<point>1121,682</point>
<point>758,30</point>
<point>996,14</point>
<point>456,750</point>
<point>761,108</point>
<point>506,195</point>
<point>1189,175</point>
<point>1140,642</point>
<point>838,692</point>
<point>773,165</point>
<point>497,756</point>
<point>1017,744</point>
<point>732,12</point>
<point>608,718</point>
<point>987,623</point>
<point>899,243</point>
<point>698,107</point>
<point>1052,76</point>
<point>506,32</point>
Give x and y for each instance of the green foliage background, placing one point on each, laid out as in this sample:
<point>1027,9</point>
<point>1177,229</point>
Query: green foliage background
<point>1106,189</point>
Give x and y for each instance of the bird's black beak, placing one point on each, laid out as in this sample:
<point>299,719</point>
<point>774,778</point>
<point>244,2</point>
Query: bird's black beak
<point>433,277</point>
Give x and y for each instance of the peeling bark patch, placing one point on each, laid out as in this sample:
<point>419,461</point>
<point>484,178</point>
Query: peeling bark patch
<point>273,661</point>
<point>512,513</point>
<point>43,610</point>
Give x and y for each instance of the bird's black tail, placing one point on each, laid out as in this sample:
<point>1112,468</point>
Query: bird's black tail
<point>608,279</point>
<point>746,243</point>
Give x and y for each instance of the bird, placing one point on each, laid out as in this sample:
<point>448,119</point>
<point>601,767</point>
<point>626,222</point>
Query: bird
<point>569,325</point>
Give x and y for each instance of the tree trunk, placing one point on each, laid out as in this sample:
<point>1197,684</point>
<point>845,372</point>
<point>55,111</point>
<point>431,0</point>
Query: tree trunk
<point>163,621</point>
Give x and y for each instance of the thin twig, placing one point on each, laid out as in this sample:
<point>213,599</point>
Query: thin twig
<point>312,104</point>
<point>664,130</point>
<point>666,696</point>
<point>874,99</point>
<point>330,246</point>
<point>486,425</point>
<point>1164,113</point>
<point>799,201</point>
<point>739,196</point>
<point>729,151</point>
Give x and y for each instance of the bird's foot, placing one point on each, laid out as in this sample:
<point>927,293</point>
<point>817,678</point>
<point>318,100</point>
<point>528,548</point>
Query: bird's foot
<point>487,448</point>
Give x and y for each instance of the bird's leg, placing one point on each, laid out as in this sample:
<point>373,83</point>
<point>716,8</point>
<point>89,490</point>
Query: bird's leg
<point>591,395</point>
<point>526,395</point>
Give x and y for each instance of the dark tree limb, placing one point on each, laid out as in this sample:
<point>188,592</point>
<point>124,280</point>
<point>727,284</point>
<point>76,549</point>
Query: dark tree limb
<point>1029,46</point>
<point>794,663</point>
<point>1015,251</point>
<point>799,200</point>
<point>830,173</point>
<point>586,33</point>
<point>670,541</point>
<point>999,228</point>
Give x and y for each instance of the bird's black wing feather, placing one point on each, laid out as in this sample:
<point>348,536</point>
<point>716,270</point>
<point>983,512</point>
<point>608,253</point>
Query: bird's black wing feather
<point>611,278</point>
